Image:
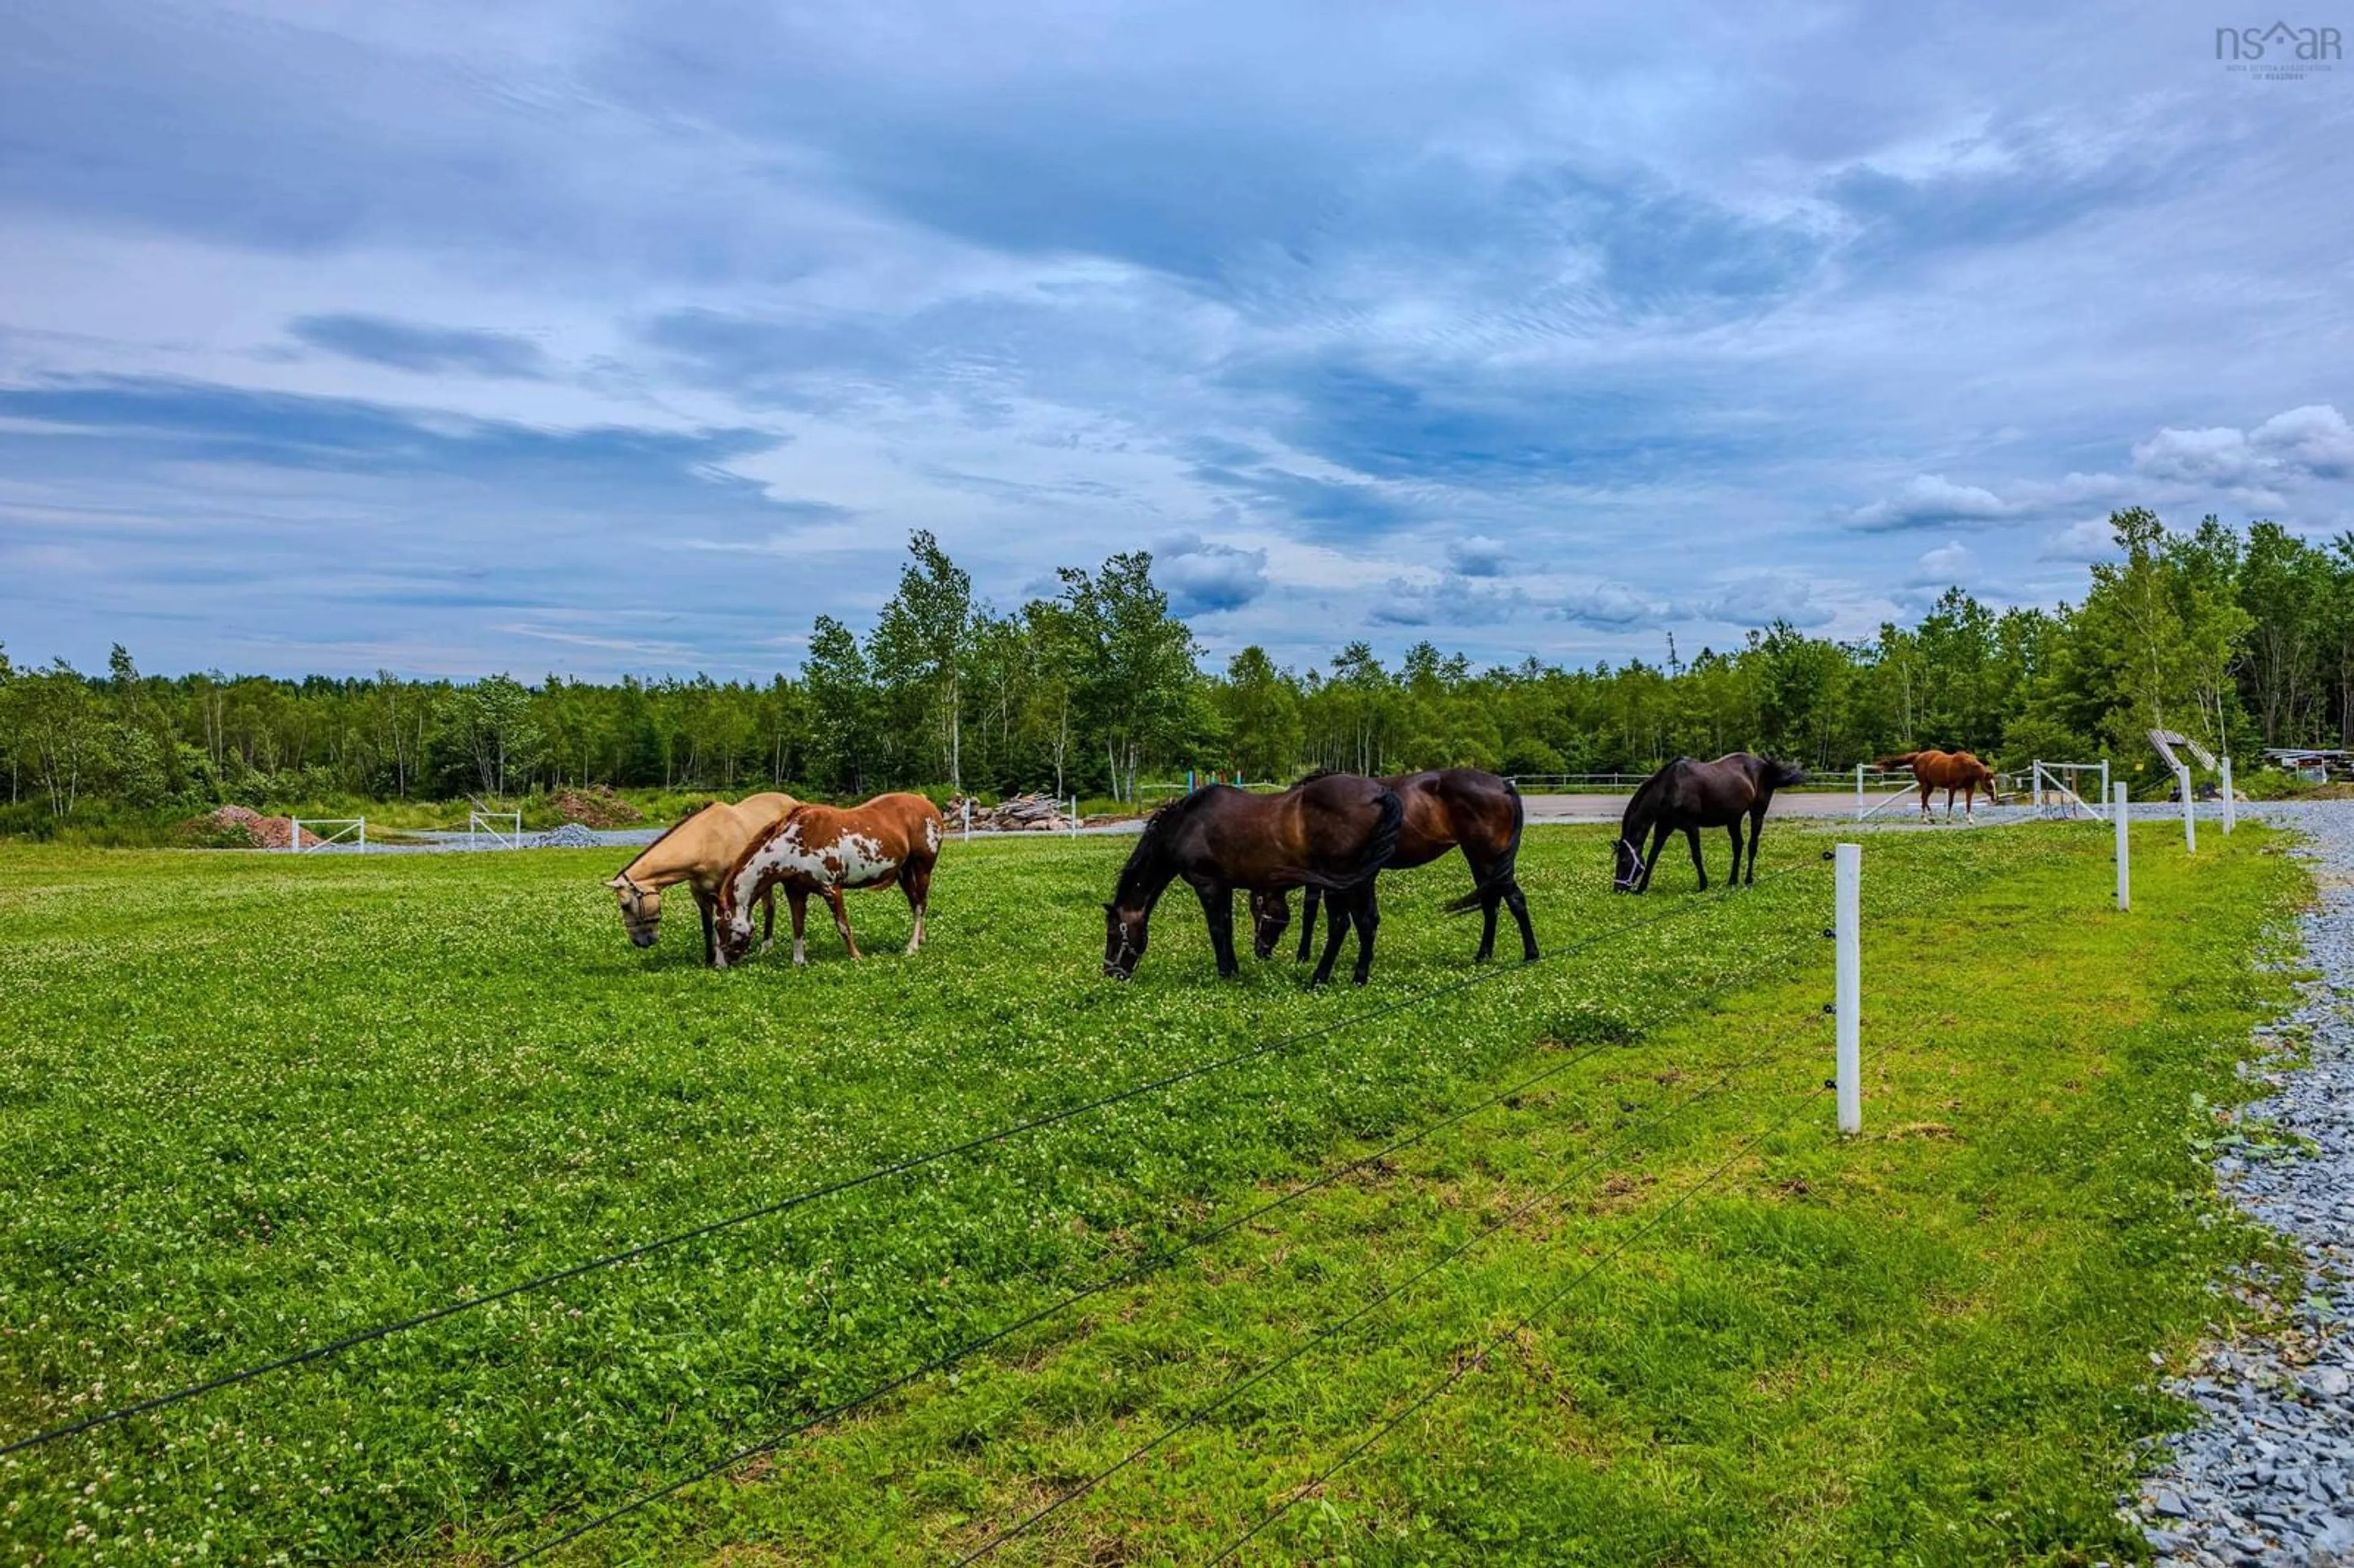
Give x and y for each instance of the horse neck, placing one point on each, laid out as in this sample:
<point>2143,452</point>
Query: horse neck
<point>1146,877</point>
<point>741,887</point>
<point>674,857</point>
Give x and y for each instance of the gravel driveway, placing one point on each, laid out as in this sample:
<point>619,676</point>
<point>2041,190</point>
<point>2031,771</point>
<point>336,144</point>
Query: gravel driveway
<point>2268,1476</point>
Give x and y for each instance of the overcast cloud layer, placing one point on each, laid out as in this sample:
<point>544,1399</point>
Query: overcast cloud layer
<point>591,336</point>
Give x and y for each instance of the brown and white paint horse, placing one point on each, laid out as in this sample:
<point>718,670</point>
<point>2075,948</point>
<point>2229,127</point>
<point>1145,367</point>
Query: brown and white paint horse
<point>1949,772</point>
<point>700,851</point>
<point>824,850</point>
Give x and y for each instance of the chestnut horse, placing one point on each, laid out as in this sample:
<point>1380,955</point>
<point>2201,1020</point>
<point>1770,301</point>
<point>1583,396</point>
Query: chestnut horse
<point>1334,832</point>
<point>1695,795</point>
<point>824,849</point>
<point>1445,809</point>
<point>1949,772</point>
<point>700,850</point>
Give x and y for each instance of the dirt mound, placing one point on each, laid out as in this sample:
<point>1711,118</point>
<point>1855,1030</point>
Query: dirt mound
<point>596,807</point>
<point>240,827</point>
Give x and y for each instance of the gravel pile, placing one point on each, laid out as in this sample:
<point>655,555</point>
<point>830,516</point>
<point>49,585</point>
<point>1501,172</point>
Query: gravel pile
<point>571,835</point>
<point>2268,1476</point>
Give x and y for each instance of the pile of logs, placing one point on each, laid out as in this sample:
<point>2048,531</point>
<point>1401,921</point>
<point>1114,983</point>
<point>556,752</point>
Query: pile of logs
<point>1018,814</point>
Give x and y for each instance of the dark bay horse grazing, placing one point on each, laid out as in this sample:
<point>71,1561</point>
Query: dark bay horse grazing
<point>1949,772</point>
<point>891,839</point>
<point>1448,807</point>
<point>1333,833</point>
<point>1695,795</point>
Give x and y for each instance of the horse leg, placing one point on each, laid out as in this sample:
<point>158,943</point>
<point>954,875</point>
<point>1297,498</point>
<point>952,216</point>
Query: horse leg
<point>1518,902</point>
<point>1659,843</point>
<point>840,919</point>
<point>1309,897</point>
<point>1368,918</point>
<point>710,927</point>
<point>1732,877</point>
<point>769,921</point>
<point>797,898</point>
<point>1927,790</point>
<point>916,882</point>
<point>1489,901</point>
<point>1756,832</point>
<point>1692,837</point>
<point>1338,920</point>
<point>1218,909</point>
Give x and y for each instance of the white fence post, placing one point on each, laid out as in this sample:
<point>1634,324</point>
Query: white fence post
<point>1075,817</point>
<point>968,819</point>
<point>2189,813</point>
<point>294,833</point>
<point>2104,778</point>
<point>363,832</point>
<point>2035,788</point>
<point>1847,901</point>
<point>2231,816</point>
<point>1858,791</point>
<point>2125,873</point>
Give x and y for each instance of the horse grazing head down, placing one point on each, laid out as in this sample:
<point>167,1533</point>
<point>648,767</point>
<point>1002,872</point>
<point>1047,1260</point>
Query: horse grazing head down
<point>640,909</point>
<point>1270,917</point>
<point>1125,933</point>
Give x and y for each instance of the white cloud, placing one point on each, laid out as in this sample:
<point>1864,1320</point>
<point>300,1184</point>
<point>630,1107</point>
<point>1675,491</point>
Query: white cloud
<point>1476,556</point>
<point>2090,540</point>
<point>1927,501</point>
<point>1948,563</point>
<point>1206,579</point>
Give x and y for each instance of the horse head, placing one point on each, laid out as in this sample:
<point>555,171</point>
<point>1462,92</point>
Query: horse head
<point>1270,914</point>
<point>1628,877</point>
<point>640,909</point>
<point>1124,937</point>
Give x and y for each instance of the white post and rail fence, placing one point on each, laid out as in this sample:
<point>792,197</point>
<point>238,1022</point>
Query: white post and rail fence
<point>350,833</point>
<point>1847,1004</point>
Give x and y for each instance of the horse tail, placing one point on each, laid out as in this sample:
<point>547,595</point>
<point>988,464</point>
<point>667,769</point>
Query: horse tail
<point>1903,759</point>
<point>1504,873</point>
<point>1389,820</point>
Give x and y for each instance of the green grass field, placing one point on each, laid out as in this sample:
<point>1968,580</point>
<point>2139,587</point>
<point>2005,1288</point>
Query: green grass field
<point>255,1103</point>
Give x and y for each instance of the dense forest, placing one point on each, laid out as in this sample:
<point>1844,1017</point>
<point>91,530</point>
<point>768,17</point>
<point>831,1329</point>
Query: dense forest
<point>2238,638</point>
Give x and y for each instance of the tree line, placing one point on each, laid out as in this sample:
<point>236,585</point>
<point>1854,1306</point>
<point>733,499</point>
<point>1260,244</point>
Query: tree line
<point>2236,637</point>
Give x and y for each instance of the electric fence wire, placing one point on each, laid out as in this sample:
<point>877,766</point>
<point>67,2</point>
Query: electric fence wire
<point>1150,1263</point>
<point>1543,1307</point>
<point>850,1183</point>
<point>1385,1294</point>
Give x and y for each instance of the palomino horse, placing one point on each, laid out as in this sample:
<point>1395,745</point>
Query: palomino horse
<point>1949,772</point>
<point>700,851</point>
<point>1445,809</point>
<point>1334,832</point>
<point>1695,795</point>
<point>824,849</point>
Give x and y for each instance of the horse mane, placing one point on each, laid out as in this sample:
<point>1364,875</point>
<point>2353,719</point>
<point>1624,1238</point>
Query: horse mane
<point>646,850</point>
<point>1780,772</point>
<point>1643,792</point>
<point>1152,840</point>
<point>1312,775</point>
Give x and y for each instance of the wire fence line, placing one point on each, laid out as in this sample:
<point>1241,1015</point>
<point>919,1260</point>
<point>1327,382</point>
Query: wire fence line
<point>1150,1263</point>
<point>1542,1307</point>
<point>1387,1293</point>
<point>901,1167</point>
<point>2011,1107</point>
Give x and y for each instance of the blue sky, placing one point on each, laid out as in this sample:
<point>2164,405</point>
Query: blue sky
<point>597,336</point>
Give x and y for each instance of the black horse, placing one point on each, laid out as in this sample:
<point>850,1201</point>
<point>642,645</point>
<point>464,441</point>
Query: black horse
<point>1333,833</point>
<point>1695,795</point>
<point>1445,809</point>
